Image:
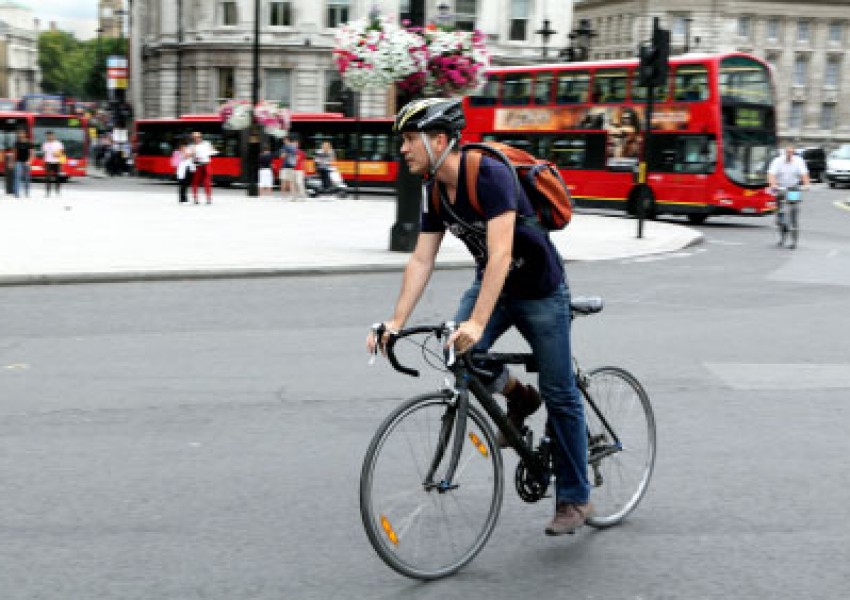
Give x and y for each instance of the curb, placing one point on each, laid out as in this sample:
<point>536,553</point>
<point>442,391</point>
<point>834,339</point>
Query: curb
<point>259,272</point>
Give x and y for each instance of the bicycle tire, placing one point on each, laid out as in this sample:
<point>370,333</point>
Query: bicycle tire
<point>429,534</point>
<point>620,480</point>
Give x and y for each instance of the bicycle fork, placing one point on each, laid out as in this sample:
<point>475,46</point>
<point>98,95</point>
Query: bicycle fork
<point>453,420</point>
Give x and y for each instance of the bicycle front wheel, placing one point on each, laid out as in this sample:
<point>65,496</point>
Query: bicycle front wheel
<point>621,443</point>
<point>419,528</point>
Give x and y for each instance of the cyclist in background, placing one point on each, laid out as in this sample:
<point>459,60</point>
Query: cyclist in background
<point>520,281</point>
<point>788,171</point>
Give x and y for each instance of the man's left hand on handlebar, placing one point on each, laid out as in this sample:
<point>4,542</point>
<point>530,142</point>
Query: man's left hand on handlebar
<point>466,336</point>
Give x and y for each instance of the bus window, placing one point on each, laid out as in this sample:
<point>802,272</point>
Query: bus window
<point>747,154</point>
<point>579,151</point>
<point>488,94</point>
<point>743,79</point>
<point>677,153</point>
<point>639,92</point>
<point>516,89</point>
<point>533,144</point>
<point>690,84</point>
<point>572,87</point>
<point>543,88</point>
<point>609,85</point>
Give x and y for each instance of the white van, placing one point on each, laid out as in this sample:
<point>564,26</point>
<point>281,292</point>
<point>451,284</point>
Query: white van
<point>838,166</point>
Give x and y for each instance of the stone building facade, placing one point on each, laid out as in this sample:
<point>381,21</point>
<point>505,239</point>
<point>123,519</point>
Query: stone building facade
<point>111,17</point>
<point>188,56</point>
<point>804,42</point>
<point>19,72</point>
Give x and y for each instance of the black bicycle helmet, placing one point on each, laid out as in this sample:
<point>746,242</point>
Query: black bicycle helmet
<point>431,114</point>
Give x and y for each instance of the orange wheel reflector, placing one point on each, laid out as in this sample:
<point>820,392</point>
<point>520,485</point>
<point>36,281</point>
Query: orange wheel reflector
<point>476,441</point>
<point>388,529</point>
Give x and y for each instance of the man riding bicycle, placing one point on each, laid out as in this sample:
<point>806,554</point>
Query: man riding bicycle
<point>520,281</point>
<point>787,172</point>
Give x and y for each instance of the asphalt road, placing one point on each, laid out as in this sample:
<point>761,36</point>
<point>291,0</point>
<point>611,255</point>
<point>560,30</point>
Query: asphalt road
<point>203,439</point>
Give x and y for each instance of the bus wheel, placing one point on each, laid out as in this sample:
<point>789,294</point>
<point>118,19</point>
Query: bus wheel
<point>697,218</point>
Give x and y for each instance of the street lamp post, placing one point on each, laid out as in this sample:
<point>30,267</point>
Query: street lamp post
<point>582,36</point>
<point>545,33</point>
<point>254,136</point>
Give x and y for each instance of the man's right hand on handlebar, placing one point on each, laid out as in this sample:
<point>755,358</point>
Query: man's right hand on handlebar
<point>387,328</point>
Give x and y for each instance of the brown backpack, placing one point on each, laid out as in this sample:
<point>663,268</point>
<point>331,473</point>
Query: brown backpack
<point>543,185</point>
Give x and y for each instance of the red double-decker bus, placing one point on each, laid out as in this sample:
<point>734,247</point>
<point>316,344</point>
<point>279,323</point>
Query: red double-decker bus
<point>365,148</point>
<point>713,130</point>
<point>71,130</point>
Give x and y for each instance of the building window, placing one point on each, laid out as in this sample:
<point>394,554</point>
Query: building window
<point>804,31</point>
<point>744,27</point>
<point>833,67</point>
<point>773,29</point>
<point>827,116</point>
<point>278,86</point>
<point>836,32</point>
<point>680,26</point>
<point>338,12</point>
<point>335,95</point>
<point>226,89</point>
<point>519,20</point>
<point>795,119</point>
<point>228,13</point>
<point>801,70</point>
<point>465,11</point>
<point>280,14</point>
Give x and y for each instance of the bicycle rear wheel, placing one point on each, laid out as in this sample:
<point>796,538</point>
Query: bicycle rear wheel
<point>418,529</point>
<point>621,456</point>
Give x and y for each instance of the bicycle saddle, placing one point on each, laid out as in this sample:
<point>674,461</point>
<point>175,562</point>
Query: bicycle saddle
<point>586,305</point>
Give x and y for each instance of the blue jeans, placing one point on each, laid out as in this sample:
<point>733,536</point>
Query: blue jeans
<point>22,178</point>
<point>545,325</point>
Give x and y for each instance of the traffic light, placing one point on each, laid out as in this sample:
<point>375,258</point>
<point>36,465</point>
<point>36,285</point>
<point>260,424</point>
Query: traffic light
<point>652,70</point>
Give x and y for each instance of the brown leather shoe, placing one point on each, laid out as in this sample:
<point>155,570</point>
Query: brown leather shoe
<point>523,401</point>
<point>569,517</point>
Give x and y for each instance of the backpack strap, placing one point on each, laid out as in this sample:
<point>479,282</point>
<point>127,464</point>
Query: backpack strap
<point>472,161</point>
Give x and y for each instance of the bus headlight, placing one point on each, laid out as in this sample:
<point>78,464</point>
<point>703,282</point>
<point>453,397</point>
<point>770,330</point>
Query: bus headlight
<point>72,162</point>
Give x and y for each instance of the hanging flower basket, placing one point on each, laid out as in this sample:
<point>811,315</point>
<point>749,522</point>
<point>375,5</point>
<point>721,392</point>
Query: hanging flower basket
<point>235,114</point>
<point>375,53</point>
<point>238,115</point>
<point>457,62</point>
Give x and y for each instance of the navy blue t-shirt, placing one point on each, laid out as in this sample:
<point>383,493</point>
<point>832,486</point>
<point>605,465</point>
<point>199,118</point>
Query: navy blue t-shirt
<point>536,268</point>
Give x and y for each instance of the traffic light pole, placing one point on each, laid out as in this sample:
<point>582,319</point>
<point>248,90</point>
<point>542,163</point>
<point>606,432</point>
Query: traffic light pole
<point>652,73</point>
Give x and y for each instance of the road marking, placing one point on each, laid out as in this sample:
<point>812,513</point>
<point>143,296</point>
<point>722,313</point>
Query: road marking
<point>744,376</point>
<point>843,204</point>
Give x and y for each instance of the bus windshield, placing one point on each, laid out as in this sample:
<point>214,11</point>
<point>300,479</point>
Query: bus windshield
<point>746,156</point>
<point>744,80</point>
<point>68,131</point>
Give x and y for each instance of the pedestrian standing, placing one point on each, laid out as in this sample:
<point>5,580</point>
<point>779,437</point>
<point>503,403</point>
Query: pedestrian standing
<point>54,155</point>
<point>23,164</point>
<point>184,166</point>
<point>287,170</point>
<point>265,175</point>
<point>299,189</point>
<point>202,153</point>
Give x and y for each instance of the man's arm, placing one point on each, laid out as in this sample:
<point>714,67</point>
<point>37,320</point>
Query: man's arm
<point>416,276</point>
<point>500,237</point>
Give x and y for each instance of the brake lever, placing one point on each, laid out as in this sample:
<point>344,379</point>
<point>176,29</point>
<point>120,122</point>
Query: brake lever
<point>378,330</point>
<point>449,351</point>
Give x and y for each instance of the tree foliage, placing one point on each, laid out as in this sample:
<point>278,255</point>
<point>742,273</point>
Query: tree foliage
<point>74,67</point>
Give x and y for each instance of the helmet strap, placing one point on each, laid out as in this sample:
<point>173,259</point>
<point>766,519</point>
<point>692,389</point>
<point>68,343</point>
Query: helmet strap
<point>435,164</point>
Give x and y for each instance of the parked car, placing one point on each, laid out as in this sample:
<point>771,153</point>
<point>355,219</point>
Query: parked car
<point>815,161</point>
<point>838,166</point>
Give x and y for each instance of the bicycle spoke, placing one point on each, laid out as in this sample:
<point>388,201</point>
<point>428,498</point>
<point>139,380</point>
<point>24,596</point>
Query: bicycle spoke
<point>432,532</point>
<point>625,473</point>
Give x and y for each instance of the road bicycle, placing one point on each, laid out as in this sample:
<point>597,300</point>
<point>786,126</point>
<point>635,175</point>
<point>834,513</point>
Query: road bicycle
<point>432,481</point>
<point>787,214</point>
